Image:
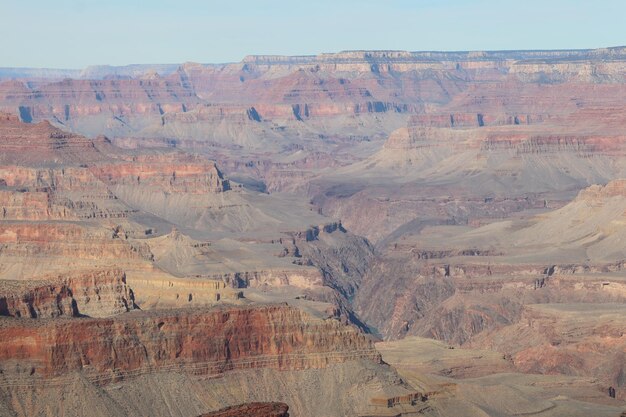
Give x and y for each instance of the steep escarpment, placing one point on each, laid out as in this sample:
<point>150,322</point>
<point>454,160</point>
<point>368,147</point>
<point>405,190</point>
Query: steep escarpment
<point>97,293</point>
<point>341,257</point>
<point>84,237</point>
<point>462,169</point>
<point>32,205</point>
<point>236,109</point>
<point>41,300</point>
<point>172,173</point>
<point>29,250</point>
<point>59,100</point>
<point>312,96</point>
<point>109,361</point>
<point>173,224</point>
<point>202,342</point>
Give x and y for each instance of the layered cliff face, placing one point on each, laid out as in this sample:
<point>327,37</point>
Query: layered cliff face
<point>97,96</point>
<point>202,342</point>
<point>40,300</point>
<point>91,234</point>
<point>93,293</point>
<point>519,109</point>
<point>172,173</point>
<point>32,250</point>
<point>42,144</point>
<point>464,171</point>
<point>265,99</point>
<point>445,171</point>
<point>506,144</point>
<point>114,356</point>
<point>105,207</point>
<point>243,109</point>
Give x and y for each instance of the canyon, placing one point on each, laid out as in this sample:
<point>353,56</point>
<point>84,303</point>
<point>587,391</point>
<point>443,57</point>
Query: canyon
<point>362,233</point>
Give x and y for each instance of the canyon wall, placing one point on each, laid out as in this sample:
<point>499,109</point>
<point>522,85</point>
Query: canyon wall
<point>98,293</point>
<point>202,359</point>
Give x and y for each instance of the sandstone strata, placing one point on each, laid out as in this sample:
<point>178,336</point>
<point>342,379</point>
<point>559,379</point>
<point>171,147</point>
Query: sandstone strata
<point>206,342</point>
<point>92,293</point>
<point>462,169</point>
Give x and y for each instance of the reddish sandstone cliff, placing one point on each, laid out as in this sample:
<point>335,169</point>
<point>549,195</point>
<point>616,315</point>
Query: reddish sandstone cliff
<point>197,341</point>
<point>41,144</point>
<point>252,410</point>
<point>173,172</point>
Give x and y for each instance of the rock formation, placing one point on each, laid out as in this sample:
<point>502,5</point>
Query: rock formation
<point>227,234</point>
<point>93,293</point>
<point>223,353</point>
<point>252,410</point>
<point>92,233</point>
<point>572,339</point>
<point>201,342</point>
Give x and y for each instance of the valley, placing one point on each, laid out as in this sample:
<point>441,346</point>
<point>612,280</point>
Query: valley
<point>363,233</point>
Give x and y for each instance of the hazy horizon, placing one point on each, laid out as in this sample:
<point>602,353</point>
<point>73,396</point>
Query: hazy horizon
<point>74,34</point>
<point>321,52</point>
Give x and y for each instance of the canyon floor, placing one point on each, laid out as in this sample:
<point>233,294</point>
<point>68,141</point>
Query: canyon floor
<point>366,233</point>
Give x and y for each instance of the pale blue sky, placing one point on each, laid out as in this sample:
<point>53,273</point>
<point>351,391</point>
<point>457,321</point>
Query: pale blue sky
<point>76,33</point>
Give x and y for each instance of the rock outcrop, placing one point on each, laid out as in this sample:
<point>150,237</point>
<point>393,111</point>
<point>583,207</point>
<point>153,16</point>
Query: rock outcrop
<point>479,147</point>
<point>97,293</point>
<point>42,144</point>
<point>571,339</point>
<point>202,342</point>
<point>171,173</point>
<point>252,410</point>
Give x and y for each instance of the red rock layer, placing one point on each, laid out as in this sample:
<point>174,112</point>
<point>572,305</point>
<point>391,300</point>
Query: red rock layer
<point>197,341</point>
<point>47,159</point>
<point>72,98</point>
<point>41,300</point>
<point>252,410</point>
<point>41,144</point>
<point>178,173</point>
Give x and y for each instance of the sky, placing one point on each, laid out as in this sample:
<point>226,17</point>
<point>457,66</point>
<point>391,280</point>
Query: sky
<point>78,33</point>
